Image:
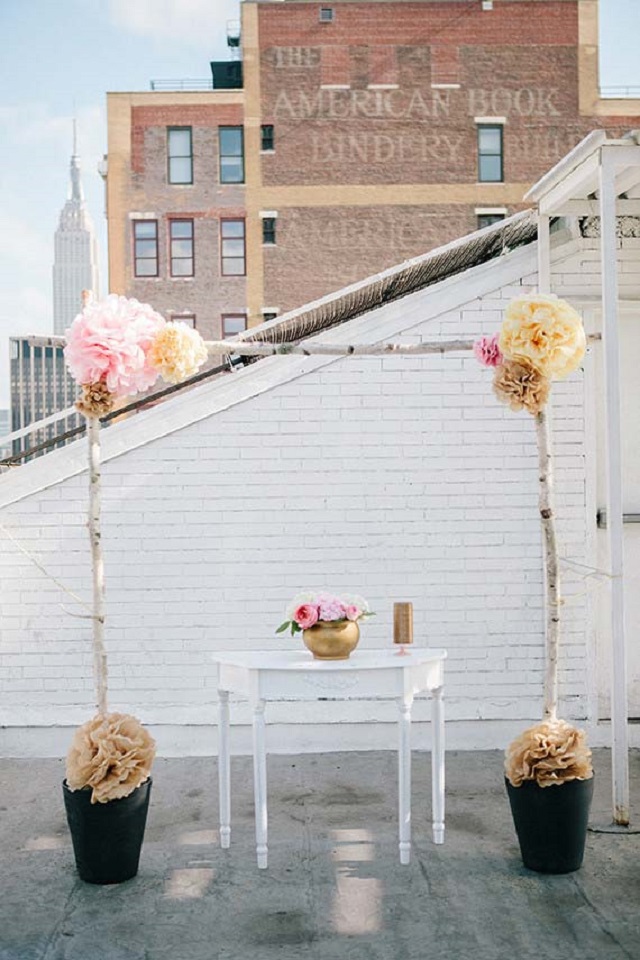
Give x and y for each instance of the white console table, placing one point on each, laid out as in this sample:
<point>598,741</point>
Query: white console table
<point>260,676</point>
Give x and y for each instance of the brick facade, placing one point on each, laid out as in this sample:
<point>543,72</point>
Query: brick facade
<point>375,119</point>
<point>147,195</point>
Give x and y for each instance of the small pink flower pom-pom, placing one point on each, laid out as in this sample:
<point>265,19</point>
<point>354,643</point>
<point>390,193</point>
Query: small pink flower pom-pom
<point>487,351</point>
<point>108,342</point>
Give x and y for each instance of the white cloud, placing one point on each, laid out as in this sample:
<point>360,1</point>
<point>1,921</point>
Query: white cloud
<point>194,22</point>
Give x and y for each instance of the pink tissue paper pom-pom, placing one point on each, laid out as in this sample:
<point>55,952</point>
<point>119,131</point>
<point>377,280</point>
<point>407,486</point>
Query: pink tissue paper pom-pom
<point>109,342</point>
<point>487,351</point>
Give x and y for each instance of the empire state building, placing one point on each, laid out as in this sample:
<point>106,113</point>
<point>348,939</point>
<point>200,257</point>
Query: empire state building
<point>75,265</point>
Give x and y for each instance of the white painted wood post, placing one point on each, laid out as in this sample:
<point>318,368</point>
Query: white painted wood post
<point>97,565</point>
<point>544,254</point>
<point>619,731</point>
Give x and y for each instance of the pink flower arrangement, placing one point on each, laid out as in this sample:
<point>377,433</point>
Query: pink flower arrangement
<point>487,351</point>
<point>109,343</point>
<point>307,609</point>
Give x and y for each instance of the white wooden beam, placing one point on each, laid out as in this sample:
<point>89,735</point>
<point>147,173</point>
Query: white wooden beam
<point>619,721</point>
<point>591,208</point>
<point>590,145</point>
<point>582,181</point>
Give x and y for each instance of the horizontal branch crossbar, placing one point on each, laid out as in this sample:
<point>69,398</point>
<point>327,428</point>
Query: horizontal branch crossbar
<point>252,348</point>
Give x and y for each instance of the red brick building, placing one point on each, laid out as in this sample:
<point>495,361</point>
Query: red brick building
<point>356,133</point>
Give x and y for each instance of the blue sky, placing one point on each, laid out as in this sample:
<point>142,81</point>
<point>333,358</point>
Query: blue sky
<point>63,55</point>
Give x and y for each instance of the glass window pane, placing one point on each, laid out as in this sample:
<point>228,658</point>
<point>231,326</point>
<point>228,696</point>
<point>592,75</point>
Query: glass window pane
<point>145,248</point>
<point>180,170</point>
<point>146,268</point>
<point>233,267</point>
<point>145,228</point>
<point>489,139</point>
<point>180,143</point>
<point>182,268</point>
<point>233,325</point>
<point>181,228</point>
<point>233,248</point>
<point>490,169</point>
<point>232,228</point>
<point>230,141</point>
<point>181,248</point>
<point>231,170</point>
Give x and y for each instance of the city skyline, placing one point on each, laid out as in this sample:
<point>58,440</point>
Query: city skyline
<point>118,46</point>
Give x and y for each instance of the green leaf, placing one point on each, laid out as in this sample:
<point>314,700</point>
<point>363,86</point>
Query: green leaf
<point>283,626</point>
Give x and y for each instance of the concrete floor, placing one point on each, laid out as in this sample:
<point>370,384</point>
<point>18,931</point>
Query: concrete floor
<point>334,889</point>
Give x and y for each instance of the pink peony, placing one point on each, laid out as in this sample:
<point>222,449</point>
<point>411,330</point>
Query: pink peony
<point>487,351</point>
<point>353,612</point>
<point>108,342</point>
<point>306,615</point>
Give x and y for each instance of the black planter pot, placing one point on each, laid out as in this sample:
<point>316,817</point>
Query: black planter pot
<point>551,823</point>
<point>107,837</point>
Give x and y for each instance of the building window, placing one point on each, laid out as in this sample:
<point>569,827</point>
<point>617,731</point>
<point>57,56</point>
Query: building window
<point>180,155</point>
<point>231,140</point>
<point>266,137</point>
<point>232,244</point>
<point>233,323</point>
<point>486,219</point>
<point>145,241</point>
<point>269,315</point>
<point>181,248</point>
<point>490,154</point>
<point>326,14</point>
<point>269,230</point>
<point>188,318</point>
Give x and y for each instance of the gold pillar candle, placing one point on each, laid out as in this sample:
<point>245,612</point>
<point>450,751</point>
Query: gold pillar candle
<point>403,623</point>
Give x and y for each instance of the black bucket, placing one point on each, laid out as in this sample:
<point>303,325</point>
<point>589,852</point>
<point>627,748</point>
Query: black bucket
<point>107,837</point>
<point>551,823</point>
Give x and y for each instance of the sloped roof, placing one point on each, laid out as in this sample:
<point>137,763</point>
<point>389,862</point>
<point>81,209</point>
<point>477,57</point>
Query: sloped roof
<point>399,281</point>
<point>376,291</point>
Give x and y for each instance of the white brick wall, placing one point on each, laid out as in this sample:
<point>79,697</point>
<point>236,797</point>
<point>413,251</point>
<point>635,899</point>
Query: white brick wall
<point>396,478</point>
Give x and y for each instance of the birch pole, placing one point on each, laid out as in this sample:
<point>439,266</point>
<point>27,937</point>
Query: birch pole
<point>97,565</point>
<point>551,565</point>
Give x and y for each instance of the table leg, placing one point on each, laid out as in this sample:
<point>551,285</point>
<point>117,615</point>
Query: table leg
<point>260,782</point>
<point>437,765</point>
<point>224,769</point>
<point>404,778</point>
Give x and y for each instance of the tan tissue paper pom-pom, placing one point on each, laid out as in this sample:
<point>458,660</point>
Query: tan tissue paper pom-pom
<point>95,399</point>
<point>112,754</point>
<point>521,387</point>
<point>552,752</point>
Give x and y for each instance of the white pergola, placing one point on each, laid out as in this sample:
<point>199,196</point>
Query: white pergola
<point>601,177</point>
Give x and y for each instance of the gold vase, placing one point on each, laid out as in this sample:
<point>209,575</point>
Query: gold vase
<point>332,639</point>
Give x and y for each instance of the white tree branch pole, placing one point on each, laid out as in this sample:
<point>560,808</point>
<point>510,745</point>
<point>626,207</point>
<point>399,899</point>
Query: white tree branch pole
<point>249,348</point>
<point>97,565</point>
<point>551,566</point>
